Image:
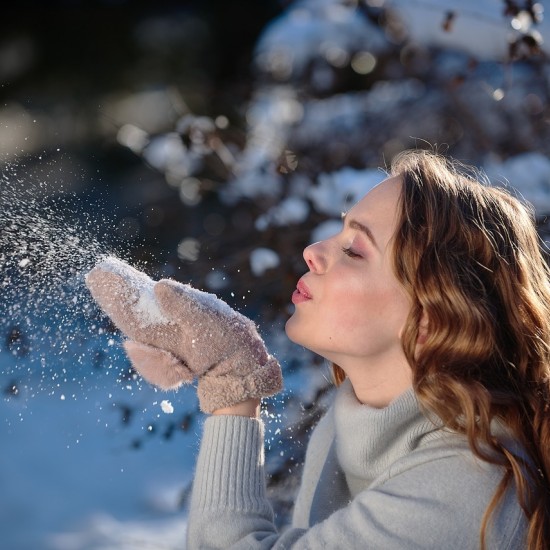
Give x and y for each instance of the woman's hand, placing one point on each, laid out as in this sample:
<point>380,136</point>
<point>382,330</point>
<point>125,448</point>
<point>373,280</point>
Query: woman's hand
<point>178,333</point>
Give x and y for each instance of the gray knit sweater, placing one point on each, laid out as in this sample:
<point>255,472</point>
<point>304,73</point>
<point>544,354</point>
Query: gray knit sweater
<point>373,479</point>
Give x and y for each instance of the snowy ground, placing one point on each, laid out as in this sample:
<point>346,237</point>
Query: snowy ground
<point>72,477</point>
<point>93,458</point>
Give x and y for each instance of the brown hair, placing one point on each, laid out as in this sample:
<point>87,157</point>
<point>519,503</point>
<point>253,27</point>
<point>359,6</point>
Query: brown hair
<point>470,258</point>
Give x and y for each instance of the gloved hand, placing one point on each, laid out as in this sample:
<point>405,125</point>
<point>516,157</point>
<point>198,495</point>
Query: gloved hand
<point>177,333</point>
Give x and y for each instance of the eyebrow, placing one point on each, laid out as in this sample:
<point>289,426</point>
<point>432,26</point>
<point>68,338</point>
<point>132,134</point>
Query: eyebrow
<point>354,224</point>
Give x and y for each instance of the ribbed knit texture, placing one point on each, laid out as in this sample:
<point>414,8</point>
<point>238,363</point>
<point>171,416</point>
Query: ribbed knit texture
<point>385,479</point>
<point>230,471</point>
<point>369,440</point>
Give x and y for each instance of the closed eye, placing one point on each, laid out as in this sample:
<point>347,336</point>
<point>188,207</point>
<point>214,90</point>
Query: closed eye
<point>349,252</point>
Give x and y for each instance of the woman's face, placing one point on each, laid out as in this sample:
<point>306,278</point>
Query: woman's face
<point>349,306</point>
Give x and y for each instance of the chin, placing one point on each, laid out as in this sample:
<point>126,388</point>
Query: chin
<point>293,332</point>
<point>290,332</point>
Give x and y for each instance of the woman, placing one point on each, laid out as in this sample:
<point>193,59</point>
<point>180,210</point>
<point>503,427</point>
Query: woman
<point>432,304</point>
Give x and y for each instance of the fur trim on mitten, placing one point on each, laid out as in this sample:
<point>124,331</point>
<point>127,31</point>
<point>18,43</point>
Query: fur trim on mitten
<point>217,391</point>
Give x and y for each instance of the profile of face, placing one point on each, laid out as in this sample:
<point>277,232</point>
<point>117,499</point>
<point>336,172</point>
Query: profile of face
<point>349,307</point>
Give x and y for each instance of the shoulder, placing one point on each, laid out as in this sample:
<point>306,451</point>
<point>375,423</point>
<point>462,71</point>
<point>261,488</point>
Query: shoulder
<point>434,498</point>
<point>448,484</point>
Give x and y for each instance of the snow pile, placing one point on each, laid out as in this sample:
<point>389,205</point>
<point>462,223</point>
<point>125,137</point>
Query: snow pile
<point>337,192</point>
<point>326,230</point>
<point>270,117</point>
<point>478,28</point>
<point>292,210</point>
<point>309,30</point>
<point>262,259</point>
<point>529,174</point>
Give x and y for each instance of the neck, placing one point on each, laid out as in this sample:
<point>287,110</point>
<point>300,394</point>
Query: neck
<point>378,387</point>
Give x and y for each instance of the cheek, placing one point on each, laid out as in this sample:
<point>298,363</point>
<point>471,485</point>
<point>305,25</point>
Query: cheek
<point>377,307</point>
<point>351,305</point>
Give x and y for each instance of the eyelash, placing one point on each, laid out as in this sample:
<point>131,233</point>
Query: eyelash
<point>349,252</point>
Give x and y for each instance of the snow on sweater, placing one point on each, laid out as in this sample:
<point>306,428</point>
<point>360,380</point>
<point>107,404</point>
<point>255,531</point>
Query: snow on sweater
<point>373,479</point>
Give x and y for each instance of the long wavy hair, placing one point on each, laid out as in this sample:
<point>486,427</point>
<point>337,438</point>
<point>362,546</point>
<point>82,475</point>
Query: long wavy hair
<point>471,259</point>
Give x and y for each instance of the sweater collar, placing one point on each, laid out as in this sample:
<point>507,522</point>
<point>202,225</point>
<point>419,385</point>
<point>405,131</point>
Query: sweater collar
<point>368,440</point>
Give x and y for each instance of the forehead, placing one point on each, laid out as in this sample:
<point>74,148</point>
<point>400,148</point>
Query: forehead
<point>379,209</point>
<point>381,200</point>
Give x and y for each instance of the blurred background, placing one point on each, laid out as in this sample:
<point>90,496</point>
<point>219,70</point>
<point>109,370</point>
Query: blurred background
<point>211,142</point>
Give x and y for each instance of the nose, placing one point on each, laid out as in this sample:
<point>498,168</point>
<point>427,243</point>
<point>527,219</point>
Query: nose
<point>314,257</point>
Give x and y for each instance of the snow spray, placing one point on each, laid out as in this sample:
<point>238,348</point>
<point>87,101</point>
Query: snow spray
<point>50,329</point>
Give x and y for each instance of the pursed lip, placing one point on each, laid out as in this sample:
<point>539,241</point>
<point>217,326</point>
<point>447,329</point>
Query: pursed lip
<point>304,290</point>
<point>301,294</point>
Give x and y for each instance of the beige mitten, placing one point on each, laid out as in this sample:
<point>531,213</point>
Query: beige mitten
<point>177,333</point>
